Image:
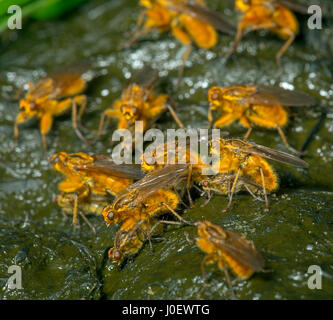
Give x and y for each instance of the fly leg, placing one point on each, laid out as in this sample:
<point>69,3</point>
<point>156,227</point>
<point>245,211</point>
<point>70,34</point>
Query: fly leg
<point>244,28</point>
<point>181,69</point>
<point>101,124</point>
<point>82,101</point>
<point>203,271</point>
<point>16,138</point>
<point>179,197</point>
<point>140,31</point>
<point>75,123</point>
<point>285,47</point>
<point>188,184</point>
<point>264,187</point>
<point>248,132</point>
<point>209,197</point>
<point>251,193</point>
<point>187,237</point>
<point>93,229</point>
<point>210,117</point>
<point>177,215</point>
<point>149,235</point>
<point>45,126</point>
<point>233,190</point>
<point>226,273</point>
<point>108,114</point>
<point>237,40</point>
<point>75,211</point>
<point>174,114</point>
<point>284,139</point>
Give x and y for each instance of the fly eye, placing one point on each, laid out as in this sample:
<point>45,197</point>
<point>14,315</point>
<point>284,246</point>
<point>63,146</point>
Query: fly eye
<point>32,106</point>
<point>215,96</point>
<point>116,255</point>
<point>122,108</point>
<point>56,159</point>
<point>110,215</point>
<point>134,110</point>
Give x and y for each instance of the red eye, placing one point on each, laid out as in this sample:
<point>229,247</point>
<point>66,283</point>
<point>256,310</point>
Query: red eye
<point>110,215</point>
<point>116,255</point>
<point>215,96</point>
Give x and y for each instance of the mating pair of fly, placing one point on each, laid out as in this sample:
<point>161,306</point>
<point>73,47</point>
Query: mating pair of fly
<point>135,197</point>
<point>242,166</point>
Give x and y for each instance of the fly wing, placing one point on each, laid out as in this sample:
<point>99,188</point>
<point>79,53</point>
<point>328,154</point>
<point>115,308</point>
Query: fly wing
<point>270,95</point>
<point>240,250</point>
<point>294,6</point>
<point>204,14</point>
<point>268,153</point>
<point>43,88</point>
<point>165,178</point>
<point>64,78</point>
<point>62,84</point>
<point>106,165</point>
<point>145,77</point>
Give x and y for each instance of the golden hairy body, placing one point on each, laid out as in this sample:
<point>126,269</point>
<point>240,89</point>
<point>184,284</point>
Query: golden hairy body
<point>269,15</point>
<point>153,195</point>
<point>189,22</point>
<point>87,175</point>
<point>127,243</point>
<point>170,153</point>
<point>161,15</point>
<point>50,97</point>
<point>138,102</point>
<point>248,165</point>
<point>228,250</point>
<point>255,105</point>
<point>128,215</point>
<point>247,160</point>
<point>98,173</point>
<point>92,204</point>
<point>222,184</point>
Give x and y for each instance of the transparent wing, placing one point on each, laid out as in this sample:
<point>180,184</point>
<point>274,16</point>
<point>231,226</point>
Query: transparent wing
<point>199,12</point>
<point>105,164</point>
<point>276,95</point>
<point>240,250</point>
<point>146,77</point>
<point>268,153</point>
<point>165,178</point>
<point>294,6</point>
